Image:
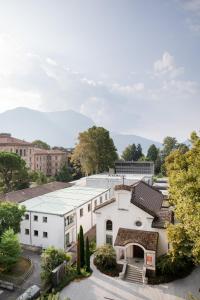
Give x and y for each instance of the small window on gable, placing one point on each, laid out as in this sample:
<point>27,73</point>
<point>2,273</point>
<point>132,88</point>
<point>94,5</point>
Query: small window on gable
<point>89,207</point>
<point>81,212</point>
<point>109,225</point>
<point>101,199</point>
<point>95,203</point>
<point>138,223</point>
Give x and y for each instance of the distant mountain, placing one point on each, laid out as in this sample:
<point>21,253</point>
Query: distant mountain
<point>123,140</point>
<point>55,128</point>
<point>59,128</point>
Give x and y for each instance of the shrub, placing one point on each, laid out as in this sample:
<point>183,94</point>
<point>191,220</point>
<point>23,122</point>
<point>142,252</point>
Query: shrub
<point>176,267</point>
<point>50,259</point>
<point>10,249</point>
<point>87,255</point>
<point>105,258</point>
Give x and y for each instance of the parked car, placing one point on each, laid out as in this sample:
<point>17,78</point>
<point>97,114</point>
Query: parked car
<point>31,293</point>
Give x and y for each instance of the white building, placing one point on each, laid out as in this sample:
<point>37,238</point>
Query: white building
<point>133,221</point>
<point>54,219</point>
<point>110,181</point>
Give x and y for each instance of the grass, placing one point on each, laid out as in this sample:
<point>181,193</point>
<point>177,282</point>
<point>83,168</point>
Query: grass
<point>21,267</point>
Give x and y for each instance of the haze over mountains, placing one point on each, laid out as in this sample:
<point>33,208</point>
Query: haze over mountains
<point>59,128</point>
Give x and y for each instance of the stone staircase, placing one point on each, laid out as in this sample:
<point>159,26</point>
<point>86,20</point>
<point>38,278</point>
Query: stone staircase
<point>133,274</point>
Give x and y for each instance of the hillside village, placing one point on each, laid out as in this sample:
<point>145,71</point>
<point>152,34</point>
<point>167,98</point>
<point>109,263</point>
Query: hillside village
<point>126,208</point>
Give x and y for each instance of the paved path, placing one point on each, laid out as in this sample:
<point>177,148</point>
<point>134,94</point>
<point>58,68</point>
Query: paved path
<point>101,287</point>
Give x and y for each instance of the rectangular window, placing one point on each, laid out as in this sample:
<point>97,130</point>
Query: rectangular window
<point>101,200</point>
<point>27,231</point>
<point>89,207</point>
<point>45,234</point>
<point>95,203</point>
<point>16,151</point>
<point>20,152</point>
<point>81,212</point>
<point>67,239</point>
<point>35,232</point>
<point>44,219</point>
<point>35,218</point>
<point>109,239</point>
<point>24,152</point>
<point>106,196</point>
<point>26,217</point>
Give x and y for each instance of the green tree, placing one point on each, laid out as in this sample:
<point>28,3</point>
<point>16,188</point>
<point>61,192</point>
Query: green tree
<point>50,259</point>
<point>40,144</point>
<point>129,153</point>
<point>65,174</point>
<point>139,153</point>
<point>169,144</point>
<point>82,247</point>
<point>152,153</point>
<point>10,216</point>
<point>41,178</point>
<point>78,263</point>
<point>87,255</point>
<point>95,150</point>
<point>105,258</point>
<point>10,249</point>
<point>183,170</point>
<point>13,172</point>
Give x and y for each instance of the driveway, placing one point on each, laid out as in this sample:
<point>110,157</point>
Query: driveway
<point>34,278</point>
<point>100,287</point>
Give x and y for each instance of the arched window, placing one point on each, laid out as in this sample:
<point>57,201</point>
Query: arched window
<point>108,225</point>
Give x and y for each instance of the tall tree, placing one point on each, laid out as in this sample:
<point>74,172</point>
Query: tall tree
<point>129,153</point>
<point>183,170</point>
<point>40,144</point>
<point>95,150</point>
<point>169,144</point>
<point>82,248</point>
<point>65,174</point>
<point>152,153</point>
<point>13,172</point>
<point>78,263</point>
<point>10,249</point>
<point>139,153</point>
<point>10,216</point>
<point>87,255</point>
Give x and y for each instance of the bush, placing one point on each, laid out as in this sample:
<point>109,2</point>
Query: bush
<point>10,249</point>
<point>169,269</point>
<point>105,258</point>
<point>50,259</point>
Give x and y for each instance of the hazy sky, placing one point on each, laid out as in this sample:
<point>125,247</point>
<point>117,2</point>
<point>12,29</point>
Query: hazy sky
<point>133,66</point>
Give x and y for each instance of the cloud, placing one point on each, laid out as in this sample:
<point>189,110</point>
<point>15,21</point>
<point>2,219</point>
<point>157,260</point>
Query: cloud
<point>128,89</point>
<point>167,66</point>
<point>193,9</point>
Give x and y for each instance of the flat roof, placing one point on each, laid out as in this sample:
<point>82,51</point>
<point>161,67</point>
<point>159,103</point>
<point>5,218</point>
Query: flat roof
<point>119,176</point>
<point>62,201</point>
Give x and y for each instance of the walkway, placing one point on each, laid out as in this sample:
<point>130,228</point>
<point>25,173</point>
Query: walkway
<point>101,287</point>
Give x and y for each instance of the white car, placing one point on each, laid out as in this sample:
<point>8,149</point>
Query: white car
<point>31,293</point>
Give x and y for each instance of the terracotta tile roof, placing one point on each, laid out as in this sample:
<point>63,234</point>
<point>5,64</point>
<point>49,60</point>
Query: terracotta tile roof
<point>7,139</point>
<point>105,204</point>
<point>163,217</point>
<point>147,239</point>
<point>25,194</point>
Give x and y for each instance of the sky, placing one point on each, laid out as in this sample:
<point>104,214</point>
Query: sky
<point>133,66</point>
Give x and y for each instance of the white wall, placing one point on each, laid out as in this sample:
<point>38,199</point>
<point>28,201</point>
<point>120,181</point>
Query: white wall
<point>54,227</point>
<point>123,214</point>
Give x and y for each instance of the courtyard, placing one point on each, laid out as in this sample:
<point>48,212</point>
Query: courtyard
<point>100,287</point>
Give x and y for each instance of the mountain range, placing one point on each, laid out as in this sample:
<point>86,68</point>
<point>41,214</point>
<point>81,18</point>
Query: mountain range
<point>59,128</point>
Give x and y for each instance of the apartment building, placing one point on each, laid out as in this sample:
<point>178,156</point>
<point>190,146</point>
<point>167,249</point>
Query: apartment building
<point>47,161</point>
<point>54,219</point>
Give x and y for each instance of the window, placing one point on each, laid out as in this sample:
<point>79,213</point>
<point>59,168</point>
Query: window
<point>26,217</point>
<point>16,151</point>
<point>95,202</point>
<point>20,152</point>
<point>109,239</point>
<point>69,220</point>
<point>45,234</point>
<point>81,212</point>
<point>27,231</point>
<point>109,225</point>
<point>106,196</point>
<point>44,219</point>
<point>67,239</point>
<point>35,232</point>
<point>89,207</point>
<point>138,223</point>
<point>101,200</point>
<point>24,152</point>
<point>35,218</point>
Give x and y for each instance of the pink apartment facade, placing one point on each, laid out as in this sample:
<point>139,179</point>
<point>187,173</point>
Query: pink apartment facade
<point>47,161</point>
